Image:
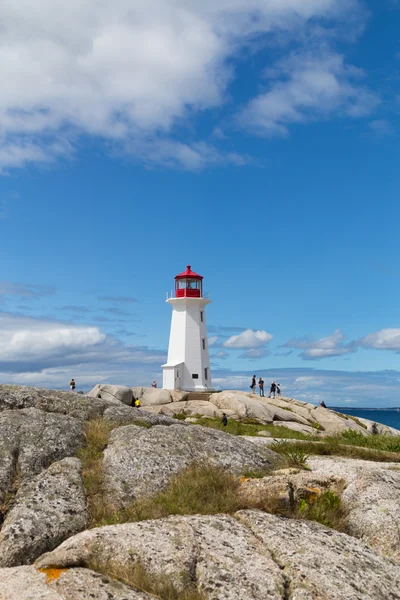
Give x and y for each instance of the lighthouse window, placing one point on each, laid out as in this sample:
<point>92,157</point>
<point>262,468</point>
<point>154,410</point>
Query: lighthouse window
<point>206,373</point>
<point>195,376</point>
<point>204,343</point>
<point>201,316</point>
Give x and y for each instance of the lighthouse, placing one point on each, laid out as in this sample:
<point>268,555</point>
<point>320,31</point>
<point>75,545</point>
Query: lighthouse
<point>188,365</point>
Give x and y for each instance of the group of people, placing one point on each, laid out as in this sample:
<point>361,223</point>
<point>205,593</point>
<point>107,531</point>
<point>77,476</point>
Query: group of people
<point>275,388</point>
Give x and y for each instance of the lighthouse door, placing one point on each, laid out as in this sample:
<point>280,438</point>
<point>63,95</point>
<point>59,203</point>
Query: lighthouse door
<point>177,379</point>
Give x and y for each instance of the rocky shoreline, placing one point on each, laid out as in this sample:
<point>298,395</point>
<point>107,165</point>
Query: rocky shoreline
<point>50,550</point>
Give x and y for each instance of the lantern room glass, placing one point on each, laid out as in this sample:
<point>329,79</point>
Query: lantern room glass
<point>188,287</point>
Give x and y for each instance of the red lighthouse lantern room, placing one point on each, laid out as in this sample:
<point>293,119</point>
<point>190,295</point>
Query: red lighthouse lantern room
<point>188,284</point>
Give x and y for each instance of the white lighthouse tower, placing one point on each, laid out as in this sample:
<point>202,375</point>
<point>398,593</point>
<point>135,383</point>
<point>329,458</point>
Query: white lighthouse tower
<point>188,366</point>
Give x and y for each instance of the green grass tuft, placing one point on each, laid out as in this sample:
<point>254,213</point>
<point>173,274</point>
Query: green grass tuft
<point>136,575</point>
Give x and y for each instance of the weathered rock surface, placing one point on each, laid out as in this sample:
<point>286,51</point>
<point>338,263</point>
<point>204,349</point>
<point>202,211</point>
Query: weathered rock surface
<point>47,510</point>
<point>112,393</point>
<point>253,556</point>
<point>191,407</point>
<point>28,583</point>
<point>372,497</point>
<point>281,484</point>
<point>14,397</point>
<point>30,440</point>
<point>333,423</point>
<point>178,395</point>
<point>307,429</point>
<point>152,396</point>
<point>124,415</point>
<point>218,553</point>
<point>251,406</point>
<point>139,462</point>
<point>319,563</point>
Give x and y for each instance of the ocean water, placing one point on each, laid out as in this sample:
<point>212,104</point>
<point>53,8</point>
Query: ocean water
<point>387,416</point>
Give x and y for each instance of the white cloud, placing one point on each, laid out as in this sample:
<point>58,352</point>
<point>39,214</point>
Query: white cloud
<point>28,344</point>
<point>249,339</point>
<point>255,353</point>
<point>23,339</point>
<point>212,340</point>
<point>306,382</point>
<point>127,71</point>
<point>222,354</point>
<point>307,87</point>
<point>385,339</point>
<point>329,346</point>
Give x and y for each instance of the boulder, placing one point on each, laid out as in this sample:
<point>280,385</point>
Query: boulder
<point>140,462</point>
<point>28,583</point>
<point>125,415</point>
<point>30,440</point>
<point>243,405</point>
<point>251,406</point>
<point>248,556</point>
<point>112,393</point>
<point>332,422</point>
<point>137,392</point>
<point>152,396</point>
<point>307,429</point>
<point>318,562</point>
<point>15,397</point>
<point>219,554</point>
<point>178,395</point>
<point>371,497</point>
<point>373,427</point>
<point>191,407</point>
<point>47,510</point>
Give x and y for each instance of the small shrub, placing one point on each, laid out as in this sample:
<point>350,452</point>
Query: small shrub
<point>181,416</point>
<point>97,434</point>
<point>325,509</point>
<point>295,456</point>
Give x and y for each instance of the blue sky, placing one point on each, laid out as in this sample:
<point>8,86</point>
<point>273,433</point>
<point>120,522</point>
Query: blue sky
<point>257,141</point>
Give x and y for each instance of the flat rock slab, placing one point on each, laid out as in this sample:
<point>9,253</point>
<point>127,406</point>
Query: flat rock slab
<point>372,497</point>
<point>219,554</point>
<point>28,583</point>
<point>303,484</point>
<point>47,510</point>
<point>319,563</point>
<point>140,462</point>
<point>251,556</point>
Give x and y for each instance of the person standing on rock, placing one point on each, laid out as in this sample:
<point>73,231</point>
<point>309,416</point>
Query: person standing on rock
<point>272,389</point>
<point>261,386</point>
<point>137,403</point>
<point>154,384</point>
<point>72,385</point>
<point>224,420</point>
<point>278,389</point>
<point>253,384</point>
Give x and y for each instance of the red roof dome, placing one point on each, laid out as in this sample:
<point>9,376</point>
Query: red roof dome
<point>188,273</point>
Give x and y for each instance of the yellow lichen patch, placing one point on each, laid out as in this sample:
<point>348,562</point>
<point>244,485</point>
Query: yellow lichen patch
<point>315,490</point>
<point>52,574</point>
<point>243,479</point>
